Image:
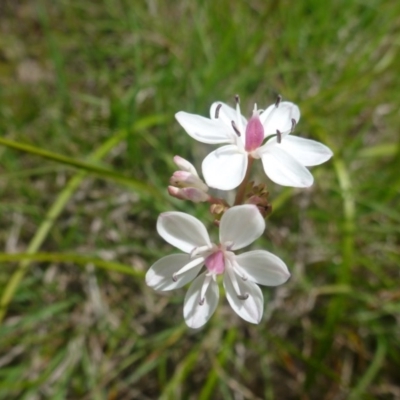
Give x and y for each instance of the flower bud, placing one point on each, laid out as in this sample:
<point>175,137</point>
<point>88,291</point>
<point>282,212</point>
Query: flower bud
<point>185,165</point>
<point>186,179</point>
<point>189,193</point>
<point>186,184</point>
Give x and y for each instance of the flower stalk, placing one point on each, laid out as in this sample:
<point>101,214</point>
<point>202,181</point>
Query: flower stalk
<point>241,190</point>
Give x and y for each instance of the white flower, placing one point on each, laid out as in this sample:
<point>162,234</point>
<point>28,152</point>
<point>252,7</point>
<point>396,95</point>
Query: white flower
<point>239,227</point>
<point>284,157</point>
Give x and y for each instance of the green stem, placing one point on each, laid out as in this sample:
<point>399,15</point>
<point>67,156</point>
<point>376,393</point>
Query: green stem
<point>242,187</point>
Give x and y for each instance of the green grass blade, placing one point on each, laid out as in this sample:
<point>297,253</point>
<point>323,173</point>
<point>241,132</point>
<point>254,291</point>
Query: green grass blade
<point>85,166</point>
<point>371,371</point>
<point>59,205</point>
<point>71,258</point>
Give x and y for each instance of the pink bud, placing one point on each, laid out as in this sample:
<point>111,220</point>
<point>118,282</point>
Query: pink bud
<point>185,165</point>
<point>181,179</point>
<point>175,192</point>
<point>186,179</point>
<point>254,133</point>
<point>192,194</point>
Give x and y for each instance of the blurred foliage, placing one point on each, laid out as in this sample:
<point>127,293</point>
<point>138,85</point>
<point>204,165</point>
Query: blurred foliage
<point>94,86</point>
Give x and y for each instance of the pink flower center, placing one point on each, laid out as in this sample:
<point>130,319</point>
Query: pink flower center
<point>215,262</point>
<point>254,133</point>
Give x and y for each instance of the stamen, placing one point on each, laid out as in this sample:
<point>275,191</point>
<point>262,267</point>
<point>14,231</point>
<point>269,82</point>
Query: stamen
<point>235,284</point>
<point>228,244</point>
<point>198,250</point>
<point>239,270</point>
<point>278,100</point>
<point>243,276</point>
<point>192,264</point>
<point>206,283</point>
<point>235,128</point>
<point>293,125</point>
<point>279,136</point>
<point>217,110</point>
<point>238,116</point>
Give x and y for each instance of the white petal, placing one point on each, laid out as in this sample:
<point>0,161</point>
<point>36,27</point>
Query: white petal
<point>226,114</point>
<point>160,274</point>
<point>241,225</point>
<point>205,130</point>
<point>225,167</point>
<point>279,118</point>
<point>262,267</point>
<point>182,231</point>
<point>197,315</point>
<point>283,169</point>
<point>251,309</point>
<point>305,151</point>
<point>185,165</point>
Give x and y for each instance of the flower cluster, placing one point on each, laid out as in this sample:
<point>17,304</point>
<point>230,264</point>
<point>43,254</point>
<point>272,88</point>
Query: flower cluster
<point>267,135</point>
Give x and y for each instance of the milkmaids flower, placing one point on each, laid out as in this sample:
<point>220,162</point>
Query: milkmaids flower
<point>284,156</point>
<point>239,227</point>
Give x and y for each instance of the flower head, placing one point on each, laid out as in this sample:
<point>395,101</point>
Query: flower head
<point>266,136</point>
<point>239,227</point>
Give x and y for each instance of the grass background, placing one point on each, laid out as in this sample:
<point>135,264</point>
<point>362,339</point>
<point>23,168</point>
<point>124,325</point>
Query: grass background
<point>88,91</point>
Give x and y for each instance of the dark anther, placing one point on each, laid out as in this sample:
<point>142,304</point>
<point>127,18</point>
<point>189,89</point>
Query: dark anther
<point>279,136</point>
<point>237,98</point>
<point>293,125</point>
<point>278,100</point>
<point>217,110</point>
<point>243,296</point>
<point>201,302</point>
<point>235,128</point>
<point>174,278</point>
